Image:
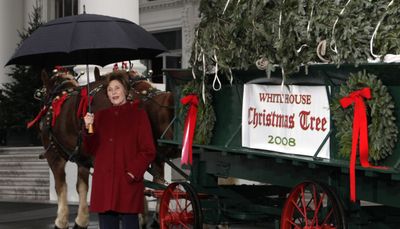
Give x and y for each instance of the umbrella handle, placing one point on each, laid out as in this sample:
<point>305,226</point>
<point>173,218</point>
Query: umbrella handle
<point>90,128</point>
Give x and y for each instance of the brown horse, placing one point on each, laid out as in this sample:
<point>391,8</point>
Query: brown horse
<point>61,133</point>
<point>60,130</point>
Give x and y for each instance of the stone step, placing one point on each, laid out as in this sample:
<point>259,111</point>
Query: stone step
<point>24,190</point>
<point>23,182</point>
<point>20,157</point>
<point>23,176</point>
<point>27,173</point>
<point>17,165</point>
<point>35,150</point>
<point>24,198</point>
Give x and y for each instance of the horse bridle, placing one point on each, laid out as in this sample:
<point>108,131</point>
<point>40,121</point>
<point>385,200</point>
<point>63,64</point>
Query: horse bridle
<point>45,97</point>
<point>54,143</point>
<point>147,95</point>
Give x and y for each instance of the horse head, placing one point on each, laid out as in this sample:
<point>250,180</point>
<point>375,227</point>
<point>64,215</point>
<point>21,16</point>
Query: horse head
<point>55,85</point>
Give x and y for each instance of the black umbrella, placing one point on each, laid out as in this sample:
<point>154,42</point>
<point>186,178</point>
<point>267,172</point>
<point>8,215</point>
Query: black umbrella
<point>86,39</point>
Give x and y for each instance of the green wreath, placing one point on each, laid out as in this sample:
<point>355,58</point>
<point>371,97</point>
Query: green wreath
<point>382,129</point>
<point>205,113</point>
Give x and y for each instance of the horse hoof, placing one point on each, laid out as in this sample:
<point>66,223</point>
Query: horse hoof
<point>154,224</point>
<point>76,226</point>
<point>55,227</point>
<point>42,156</point>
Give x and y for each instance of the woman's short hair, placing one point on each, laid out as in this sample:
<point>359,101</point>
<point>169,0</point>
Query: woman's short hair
<point>120,77</point>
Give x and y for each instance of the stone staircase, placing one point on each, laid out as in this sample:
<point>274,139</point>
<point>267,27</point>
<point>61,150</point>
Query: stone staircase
<point>23,176</point>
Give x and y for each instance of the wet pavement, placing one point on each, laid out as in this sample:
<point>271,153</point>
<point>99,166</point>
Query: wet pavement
<point>35,215</point>
<point>22,215</point>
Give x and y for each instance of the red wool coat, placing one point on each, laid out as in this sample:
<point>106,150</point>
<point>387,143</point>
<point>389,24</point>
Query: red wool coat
<point>122,142</point>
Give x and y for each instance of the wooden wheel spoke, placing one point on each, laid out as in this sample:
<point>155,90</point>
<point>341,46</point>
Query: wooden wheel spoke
<point>176,198</point>
<point>183,225</point>
<point>299,210</point>
<point>327,217</point>
<point>314,198</point>
<point>303,201</point>
<point>180,208</point>
<point>312,205</point>
<point>293,224</point>
<point>318,201</point>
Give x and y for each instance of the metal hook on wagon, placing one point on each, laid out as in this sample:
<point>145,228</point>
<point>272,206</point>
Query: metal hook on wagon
<point>196,56</point>
<point>333,46</point>
<point>216,78</point>
<point>371,43</point>
<point>203,86</point>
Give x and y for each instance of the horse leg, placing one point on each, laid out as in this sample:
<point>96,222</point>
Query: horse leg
<point>57,167</point>
<point>157,169</point>
<point>143,216</point>
<point>82,187</point>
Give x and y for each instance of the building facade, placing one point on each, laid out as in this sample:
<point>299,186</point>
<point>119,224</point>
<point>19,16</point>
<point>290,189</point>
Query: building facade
<point>170,21</point>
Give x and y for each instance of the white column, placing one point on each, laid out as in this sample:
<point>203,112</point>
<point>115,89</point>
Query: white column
<point>43,4</point>
<point>190,19</point>
<point>10,23</point>
<point>128,9</point>
<point>28,10</point>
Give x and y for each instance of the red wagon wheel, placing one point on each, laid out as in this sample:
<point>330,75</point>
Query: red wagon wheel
<point>311,205</point>
<point>180,207</point>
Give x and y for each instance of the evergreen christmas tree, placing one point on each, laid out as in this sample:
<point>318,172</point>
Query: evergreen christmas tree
<point>16,99</point>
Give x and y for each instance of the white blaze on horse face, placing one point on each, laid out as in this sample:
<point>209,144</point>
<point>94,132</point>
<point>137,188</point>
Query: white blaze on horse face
<point>116,93</point>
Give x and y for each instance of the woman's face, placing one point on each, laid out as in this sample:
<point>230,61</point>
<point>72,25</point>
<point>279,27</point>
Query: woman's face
<point>116,93</point>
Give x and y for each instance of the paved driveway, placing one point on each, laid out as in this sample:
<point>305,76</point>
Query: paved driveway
<point>17,215</point>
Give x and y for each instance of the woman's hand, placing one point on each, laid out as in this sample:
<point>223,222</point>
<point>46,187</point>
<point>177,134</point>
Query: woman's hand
<point>130,176</point>
<point>88,119</point>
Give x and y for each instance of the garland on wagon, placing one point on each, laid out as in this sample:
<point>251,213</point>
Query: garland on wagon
<point>235,34</point>
<point>382,129</point>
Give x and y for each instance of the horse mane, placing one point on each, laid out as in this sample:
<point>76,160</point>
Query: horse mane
<point>138,85</point>
<point>60,82</point>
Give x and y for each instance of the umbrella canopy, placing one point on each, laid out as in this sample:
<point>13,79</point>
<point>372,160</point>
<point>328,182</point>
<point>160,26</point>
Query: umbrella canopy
<point>86,39</point>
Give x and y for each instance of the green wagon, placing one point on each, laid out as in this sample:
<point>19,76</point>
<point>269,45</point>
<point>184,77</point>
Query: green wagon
<point>290,190</point>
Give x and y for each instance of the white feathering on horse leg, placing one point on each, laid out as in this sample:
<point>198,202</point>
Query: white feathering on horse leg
<point>82,219</point>
<point>62,211</point>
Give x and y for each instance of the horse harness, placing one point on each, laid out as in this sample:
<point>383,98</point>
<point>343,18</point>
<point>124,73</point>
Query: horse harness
<point>46,125</point>
<point>47,119</point>
<point>145,95</point>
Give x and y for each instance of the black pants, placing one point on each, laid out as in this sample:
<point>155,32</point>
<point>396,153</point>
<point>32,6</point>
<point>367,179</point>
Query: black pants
<point>111,220</point>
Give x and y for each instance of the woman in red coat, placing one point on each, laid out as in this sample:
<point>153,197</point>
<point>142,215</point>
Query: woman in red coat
<point>123,148</point>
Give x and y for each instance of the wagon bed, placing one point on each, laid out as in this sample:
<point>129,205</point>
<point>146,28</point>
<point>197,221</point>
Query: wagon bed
<point>378,190</point>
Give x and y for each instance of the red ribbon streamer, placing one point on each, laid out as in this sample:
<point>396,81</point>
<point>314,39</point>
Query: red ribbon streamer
<point>190,124</point>
<point>83,103</point>
<point>360,133</point>
<point>57,104</point>
<point>38,116</point>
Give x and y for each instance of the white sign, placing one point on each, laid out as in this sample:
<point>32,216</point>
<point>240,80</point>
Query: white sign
<point>287,119</point>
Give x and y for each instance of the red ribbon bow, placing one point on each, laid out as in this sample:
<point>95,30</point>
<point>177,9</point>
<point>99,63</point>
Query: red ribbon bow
<point>57,104</point>
<point>38,116</point>
<point>83,103</point>
<point>190,124</point>
<point>360,133</point>
<point>60,69</point>
<point>115,68</point>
